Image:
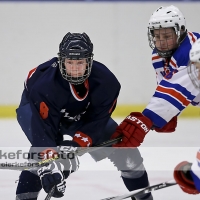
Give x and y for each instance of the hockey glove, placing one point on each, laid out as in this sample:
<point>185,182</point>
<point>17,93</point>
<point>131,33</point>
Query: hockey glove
<point>183,177</point>
<point>55,173</point>
<point>169,127</point>
<point>133,129</point>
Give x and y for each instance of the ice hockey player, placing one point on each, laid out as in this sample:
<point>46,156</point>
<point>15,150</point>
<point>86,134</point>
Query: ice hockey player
<point>186,174</point>
<point>171,43</point>
<point>70,94</point>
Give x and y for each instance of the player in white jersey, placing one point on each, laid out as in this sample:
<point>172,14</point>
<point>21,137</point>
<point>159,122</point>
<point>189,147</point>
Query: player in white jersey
<point>171,44</point>
<point>186,174</point>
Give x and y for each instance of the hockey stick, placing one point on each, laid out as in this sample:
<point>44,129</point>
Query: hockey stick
<point>104,144</point>
<point>79,152</point>
<point>86,150</point>
<point>49,195</point>
<point>143,191</point>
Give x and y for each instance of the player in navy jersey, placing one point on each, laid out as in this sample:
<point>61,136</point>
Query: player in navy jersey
<point>70,94</point>
<point>171,43</point>
<point>186,174</point>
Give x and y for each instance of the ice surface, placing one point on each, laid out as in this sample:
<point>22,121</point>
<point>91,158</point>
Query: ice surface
<point>94,181</point>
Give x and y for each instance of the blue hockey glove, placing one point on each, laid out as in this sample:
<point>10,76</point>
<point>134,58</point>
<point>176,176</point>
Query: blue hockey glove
<point>56,172</point>
<point>53,175</point>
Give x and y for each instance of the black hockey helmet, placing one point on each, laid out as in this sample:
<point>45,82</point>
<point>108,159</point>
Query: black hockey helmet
<point>75,46</point>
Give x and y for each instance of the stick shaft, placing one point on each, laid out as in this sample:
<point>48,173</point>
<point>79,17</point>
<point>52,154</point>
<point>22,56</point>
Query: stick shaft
<point>143,191</point>
<point>34,166</point>
<point>50,194</point>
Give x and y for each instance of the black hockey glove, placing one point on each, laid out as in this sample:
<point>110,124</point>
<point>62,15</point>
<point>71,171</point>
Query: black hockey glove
<point>53,175</point>
<point>56,172</point>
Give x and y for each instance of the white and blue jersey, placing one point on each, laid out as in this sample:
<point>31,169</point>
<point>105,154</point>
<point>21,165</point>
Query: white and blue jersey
<point>174,91</point>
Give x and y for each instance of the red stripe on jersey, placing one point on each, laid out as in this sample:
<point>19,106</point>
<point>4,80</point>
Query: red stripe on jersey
<point>193,39</point>
<point>86,84</point>
<point>31,73</point>
<point>172,63</point>
<point>155,57</point>
<point>174,94</point>
<point>114,103</point>
<point>82,139</point>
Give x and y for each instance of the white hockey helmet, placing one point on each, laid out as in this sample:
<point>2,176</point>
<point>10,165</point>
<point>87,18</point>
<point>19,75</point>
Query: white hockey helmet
<point>194,64</point>
<point>166,17</point>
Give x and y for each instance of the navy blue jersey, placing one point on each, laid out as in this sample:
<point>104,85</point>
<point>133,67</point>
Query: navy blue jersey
<point>55,102</point>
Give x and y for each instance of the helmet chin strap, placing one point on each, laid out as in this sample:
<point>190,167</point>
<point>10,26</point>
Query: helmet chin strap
<point>165,54</point>
<point>181,37</point>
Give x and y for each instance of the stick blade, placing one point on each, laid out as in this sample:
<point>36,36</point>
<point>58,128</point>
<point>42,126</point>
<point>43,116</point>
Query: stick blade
<point>143,191</point>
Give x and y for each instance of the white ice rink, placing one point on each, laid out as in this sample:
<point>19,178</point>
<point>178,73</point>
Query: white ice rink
<point>94,181</point>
